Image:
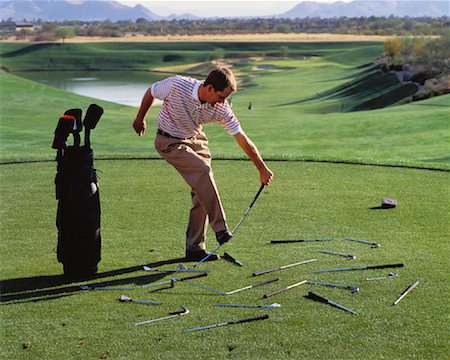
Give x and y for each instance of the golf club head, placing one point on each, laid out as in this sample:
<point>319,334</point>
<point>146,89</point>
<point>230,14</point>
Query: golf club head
<point>125,298</point>
<point>93,115</point>
<point>78,125</point>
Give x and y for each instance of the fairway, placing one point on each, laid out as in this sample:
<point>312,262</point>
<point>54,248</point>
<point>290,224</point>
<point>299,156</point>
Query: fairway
<point>332,167</point>
<point>142,225</point>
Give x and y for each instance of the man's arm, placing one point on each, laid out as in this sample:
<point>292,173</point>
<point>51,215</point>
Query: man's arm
<point>265,174</point>
<point>140,124</point>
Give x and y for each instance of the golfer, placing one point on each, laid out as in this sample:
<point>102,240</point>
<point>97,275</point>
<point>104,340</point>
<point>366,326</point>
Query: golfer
<point>188,104</point>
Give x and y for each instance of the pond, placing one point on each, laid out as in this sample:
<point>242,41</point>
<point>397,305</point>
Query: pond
<point>122,87</point>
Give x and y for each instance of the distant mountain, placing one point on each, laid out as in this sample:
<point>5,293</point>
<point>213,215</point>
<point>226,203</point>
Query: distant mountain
<point>58,10</point>
<point>367,8</point>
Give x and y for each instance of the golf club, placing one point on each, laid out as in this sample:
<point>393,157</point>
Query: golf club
<point>262,317</point>
<point>77,125</point>
<point>88,287</point>
<point>235,228</point>
<point>391,275</point>
<point>93,115</point>
<point>271,306</point>
<point>172,315</point>
<point>148,268</point>
<point>318,298</point>
<point>231,259</point>
<point>125,298</point>
<point>297,241</point>
<point>173,280</point>
<point>262,272</point>
<point>363,268</point>
<point>284,289</point>
<point>374,245</point>
<point>406,292</point>
<point>347,256</point>
<point>354,289</point>
<point>63,129</point>
<point>252,286</point>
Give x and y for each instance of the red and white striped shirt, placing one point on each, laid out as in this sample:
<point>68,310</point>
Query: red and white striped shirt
<point>182,114</point>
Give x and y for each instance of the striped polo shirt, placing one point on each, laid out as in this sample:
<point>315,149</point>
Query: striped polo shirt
<point>182,114</point>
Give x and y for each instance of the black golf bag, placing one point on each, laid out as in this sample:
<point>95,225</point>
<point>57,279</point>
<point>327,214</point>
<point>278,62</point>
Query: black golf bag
<point>78,213</point>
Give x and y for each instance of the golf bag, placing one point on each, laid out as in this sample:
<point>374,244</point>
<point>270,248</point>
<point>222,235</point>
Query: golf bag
<point>77,193</point>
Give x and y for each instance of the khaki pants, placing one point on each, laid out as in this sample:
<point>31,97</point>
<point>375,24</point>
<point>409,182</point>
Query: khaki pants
<point>192,159</point>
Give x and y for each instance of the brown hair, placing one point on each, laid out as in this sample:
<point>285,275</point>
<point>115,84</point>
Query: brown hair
<point>220,79</point>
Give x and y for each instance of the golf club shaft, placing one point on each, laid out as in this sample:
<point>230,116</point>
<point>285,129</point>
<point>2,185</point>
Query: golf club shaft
<point>363,242</point>
<point>203,287</point>
<point>146,268</point>
<point>363,268</point>
<point>297,241</point>
<point>248,209</point>
<point>262,317</point>
<point>348,287</point>
<point>321,299</point>
<point>176,279</point>
<point>282,267</point>
<point>348,256</point>
<point>248,306</point>
<point>284,289</point>
<point>184,312</point>
<point>252,286</point>
<point>411,287</point>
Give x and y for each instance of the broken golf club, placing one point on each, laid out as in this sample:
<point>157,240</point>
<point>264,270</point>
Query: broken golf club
<point>262,272</point>
<point>231,259</point>
<point>172,315</point>
<point>232,291</point>
<point>125,298</point>
<point>148,268</point>
<point>347,256</point>
<point>363,268</point>
<point>89,287</point>
<point>374,244</point>
<point>235,228</point>
<point>298,241</point>
<point>318,298</point>
<point>271,306</point>
<point>276,292</point>
<point>262,317</point>
<point>391,275</point>
<point>353,289</point>
<point>173,280</point>
<point>406,292</point>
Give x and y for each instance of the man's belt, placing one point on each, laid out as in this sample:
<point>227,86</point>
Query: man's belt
<point>166,134</point>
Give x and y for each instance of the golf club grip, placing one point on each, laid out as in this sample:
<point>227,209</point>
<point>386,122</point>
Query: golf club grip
<point>285,241</point>
<point>316,297</point>
<point>406,292</point>
<point>265,282</point>
<point>384,266</point>
<point>260,317</point>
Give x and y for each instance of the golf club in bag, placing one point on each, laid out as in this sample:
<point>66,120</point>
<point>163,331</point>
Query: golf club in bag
<point>78,212</point>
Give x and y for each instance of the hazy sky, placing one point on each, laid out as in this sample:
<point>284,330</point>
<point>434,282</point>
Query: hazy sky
<point>211,8</point>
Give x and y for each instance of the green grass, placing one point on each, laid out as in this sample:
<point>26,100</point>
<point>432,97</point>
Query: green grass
<point>145,207</point>
<point>143,219</point>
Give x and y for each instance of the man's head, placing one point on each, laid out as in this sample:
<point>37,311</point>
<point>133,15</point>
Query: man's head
<point>219,84</point>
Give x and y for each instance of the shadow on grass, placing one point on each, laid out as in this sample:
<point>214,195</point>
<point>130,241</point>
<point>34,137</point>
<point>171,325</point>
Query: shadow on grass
<point>40,288</point>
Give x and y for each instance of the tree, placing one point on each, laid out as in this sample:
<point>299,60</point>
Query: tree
<point>64,33</point>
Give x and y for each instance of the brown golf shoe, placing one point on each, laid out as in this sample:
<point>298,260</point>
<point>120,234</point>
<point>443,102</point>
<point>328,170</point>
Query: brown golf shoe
<point>200,255</point>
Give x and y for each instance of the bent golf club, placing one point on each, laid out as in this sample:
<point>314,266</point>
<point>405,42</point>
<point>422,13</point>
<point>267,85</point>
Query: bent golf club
<point>172,315</point>
<point>276,292</point>
<point>298,241</point>
<point>173,280</point>
<point>347,256</point>
<point>363,268</point>
<point>354,289</point>
<point>271,306</point>
<point>321,299</point>
<point>391,275</point>
<point>374,244</point>
<point>235,228</point>
<point>125,298</point>
<point>148,268</point>
<point>282,267</point>
<point>262,317</point>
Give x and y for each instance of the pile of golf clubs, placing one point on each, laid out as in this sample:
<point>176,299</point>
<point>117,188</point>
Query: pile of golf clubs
<point>193,276</point>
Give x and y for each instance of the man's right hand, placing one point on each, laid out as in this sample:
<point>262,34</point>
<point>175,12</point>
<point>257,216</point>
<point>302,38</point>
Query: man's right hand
<point>140,125</point>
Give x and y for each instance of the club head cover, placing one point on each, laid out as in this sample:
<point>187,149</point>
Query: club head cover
<point>93,115</point>
<point>77,126</point>
<point>62,131</point>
